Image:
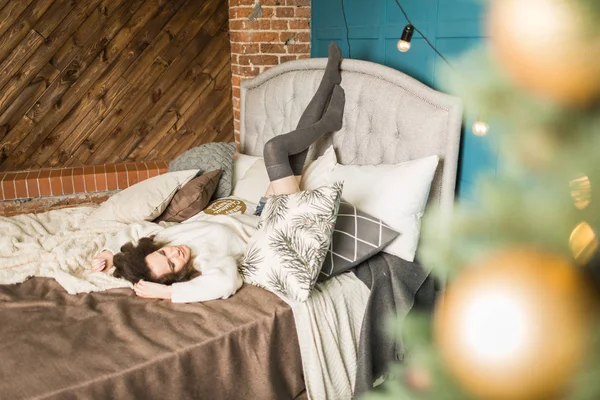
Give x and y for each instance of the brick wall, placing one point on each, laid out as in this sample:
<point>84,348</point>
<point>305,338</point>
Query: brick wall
<point>50,188</point>
<point>265,33</point>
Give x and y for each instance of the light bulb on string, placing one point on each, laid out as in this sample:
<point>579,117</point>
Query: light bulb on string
<point>404,42</point>
<point>480,128</point>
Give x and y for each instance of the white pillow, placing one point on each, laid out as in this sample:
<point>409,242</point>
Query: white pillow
<point>397,194</point>
<point>241,164</point>
<point>145,200</point>
<point>318,172</point>
<point>255,181</point>
<point>254,184</point>
<point>287,252</point>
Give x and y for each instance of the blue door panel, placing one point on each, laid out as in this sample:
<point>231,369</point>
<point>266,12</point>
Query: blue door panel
<point>453,27</point>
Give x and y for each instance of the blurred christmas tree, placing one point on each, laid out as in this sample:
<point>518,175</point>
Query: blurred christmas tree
<point>518,320</point>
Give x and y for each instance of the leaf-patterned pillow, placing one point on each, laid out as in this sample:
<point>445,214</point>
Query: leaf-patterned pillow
<point>287,252</point>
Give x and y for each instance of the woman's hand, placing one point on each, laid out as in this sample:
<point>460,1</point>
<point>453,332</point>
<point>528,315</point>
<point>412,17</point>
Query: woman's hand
<point>152,290</point>
<point>103,261</point>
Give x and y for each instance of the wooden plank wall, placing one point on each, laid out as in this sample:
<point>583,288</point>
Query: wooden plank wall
<point>85,82</point>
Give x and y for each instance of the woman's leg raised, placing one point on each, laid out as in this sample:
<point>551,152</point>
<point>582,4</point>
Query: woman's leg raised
<point>277,151</point>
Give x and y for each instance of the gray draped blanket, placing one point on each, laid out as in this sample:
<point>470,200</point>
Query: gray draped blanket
<point>394,285</point>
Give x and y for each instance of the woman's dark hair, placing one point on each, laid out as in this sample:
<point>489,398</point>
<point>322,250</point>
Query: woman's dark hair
<point>130,264</point>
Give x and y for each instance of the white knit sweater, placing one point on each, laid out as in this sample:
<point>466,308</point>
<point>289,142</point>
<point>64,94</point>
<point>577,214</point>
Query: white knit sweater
<point>216,246</point>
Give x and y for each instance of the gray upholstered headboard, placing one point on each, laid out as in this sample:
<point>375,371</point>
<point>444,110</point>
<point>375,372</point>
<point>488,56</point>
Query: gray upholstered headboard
<point>389,117</point>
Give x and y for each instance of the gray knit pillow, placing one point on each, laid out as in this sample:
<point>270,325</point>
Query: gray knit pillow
<point>209,157</point>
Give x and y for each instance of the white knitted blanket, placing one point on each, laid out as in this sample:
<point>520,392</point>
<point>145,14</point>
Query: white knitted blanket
<point>329,325</point>
<point>58,244</point>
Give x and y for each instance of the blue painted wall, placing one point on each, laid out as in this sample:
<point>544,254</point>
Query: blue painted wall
<point>374,27</point>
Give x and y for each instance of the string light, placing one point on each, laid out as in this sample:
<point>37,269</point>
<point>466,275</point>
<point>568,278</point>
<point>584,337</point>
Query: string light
<point>583,243</point>
<point>480,128</point>
<point>420,33</point>
<point>404,42</point>
<point>581,191</point>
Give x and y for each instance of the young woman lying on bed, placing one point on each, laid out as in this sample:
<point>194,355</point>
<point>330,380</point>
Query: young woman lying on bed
<point>203,267</point>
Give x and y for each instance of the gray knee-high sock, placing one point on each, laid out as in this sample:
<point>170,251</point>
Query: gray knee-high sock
<point>278,149</point>
<point>314,110</point>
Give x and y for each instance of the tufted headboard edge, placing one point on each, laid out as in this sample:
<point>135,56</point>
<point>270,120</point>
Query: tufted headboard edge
<point>443,189</point>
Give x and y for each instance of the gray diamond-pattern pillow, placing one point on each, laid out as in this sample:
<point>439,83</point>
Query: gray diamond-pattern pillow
<point>356,237</point>
<point>209,157</point>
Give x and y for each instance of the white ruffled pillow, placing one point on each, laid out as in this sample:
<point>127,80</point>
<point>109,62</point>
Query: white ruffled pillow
<point>286,254</point>
<point>397,194</point>
<point>145,200</point>
<point>251,180</point>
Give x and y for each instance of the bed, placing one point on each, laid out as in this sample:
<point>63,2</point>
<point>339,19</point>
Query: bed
<point>110,344</point>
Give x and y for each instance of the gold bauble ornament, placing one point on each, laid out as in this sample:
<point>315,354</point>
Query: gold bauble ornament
<point>546,47</point>
<point>514,327</point>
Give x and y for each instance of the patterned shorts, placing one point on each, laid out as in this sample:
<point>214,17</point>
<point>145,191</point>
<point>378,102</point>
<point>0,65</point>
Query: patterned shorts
<point>260,206</point>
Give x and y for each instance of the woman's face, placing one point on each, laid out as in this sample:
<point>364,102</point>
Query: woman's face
<point>168,259</point>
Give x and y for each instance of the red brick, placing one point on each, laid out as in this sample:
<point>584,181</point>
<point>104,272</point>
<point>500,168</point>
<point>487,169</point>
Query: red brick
<point>122,181</point>
<point>302,37</point>
<point>298,48</point>
<point>252,25</point>
<point>44,183</point>
<point>236,126</point>
<point>268,12</point>
<point>284,12</point>
<point>89,179</point>
<point>236,102</point>
<point>272,2</point>
<point>265,24</point>
<point>279,25</point>
<point>285,36</point>
<point>56,185</point>
<point>244,71</point>
<point>78,181</point>
<point>235,3</point>
<point>133,176</point>
<point>143,172</point>
<point>298,3</point>
<point>240,12</point>
<point>236,25</point>
<point>152,169</point>
<point>235,80</point>
<point>299,24</point>
<point>68,181</point>
<point>33,188</point>
<point>270,48</point>
<point>100,175</point>
<point>235,91</point>
<point>21,185</point>
<point>302,12</point>
<point>111,177</point>
<point>236,114</point>
<point>245,48</point>
<point>254,36</point>
<point>8,186</point>
<point>257,60</point>
<point>163,166</point>
<point>283,59</point>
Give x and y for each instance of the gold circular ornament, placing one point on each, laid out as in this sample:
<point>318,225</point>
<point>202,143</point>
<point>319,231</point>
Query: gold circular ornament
<point>545,45</point>
<point>514,326</point>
